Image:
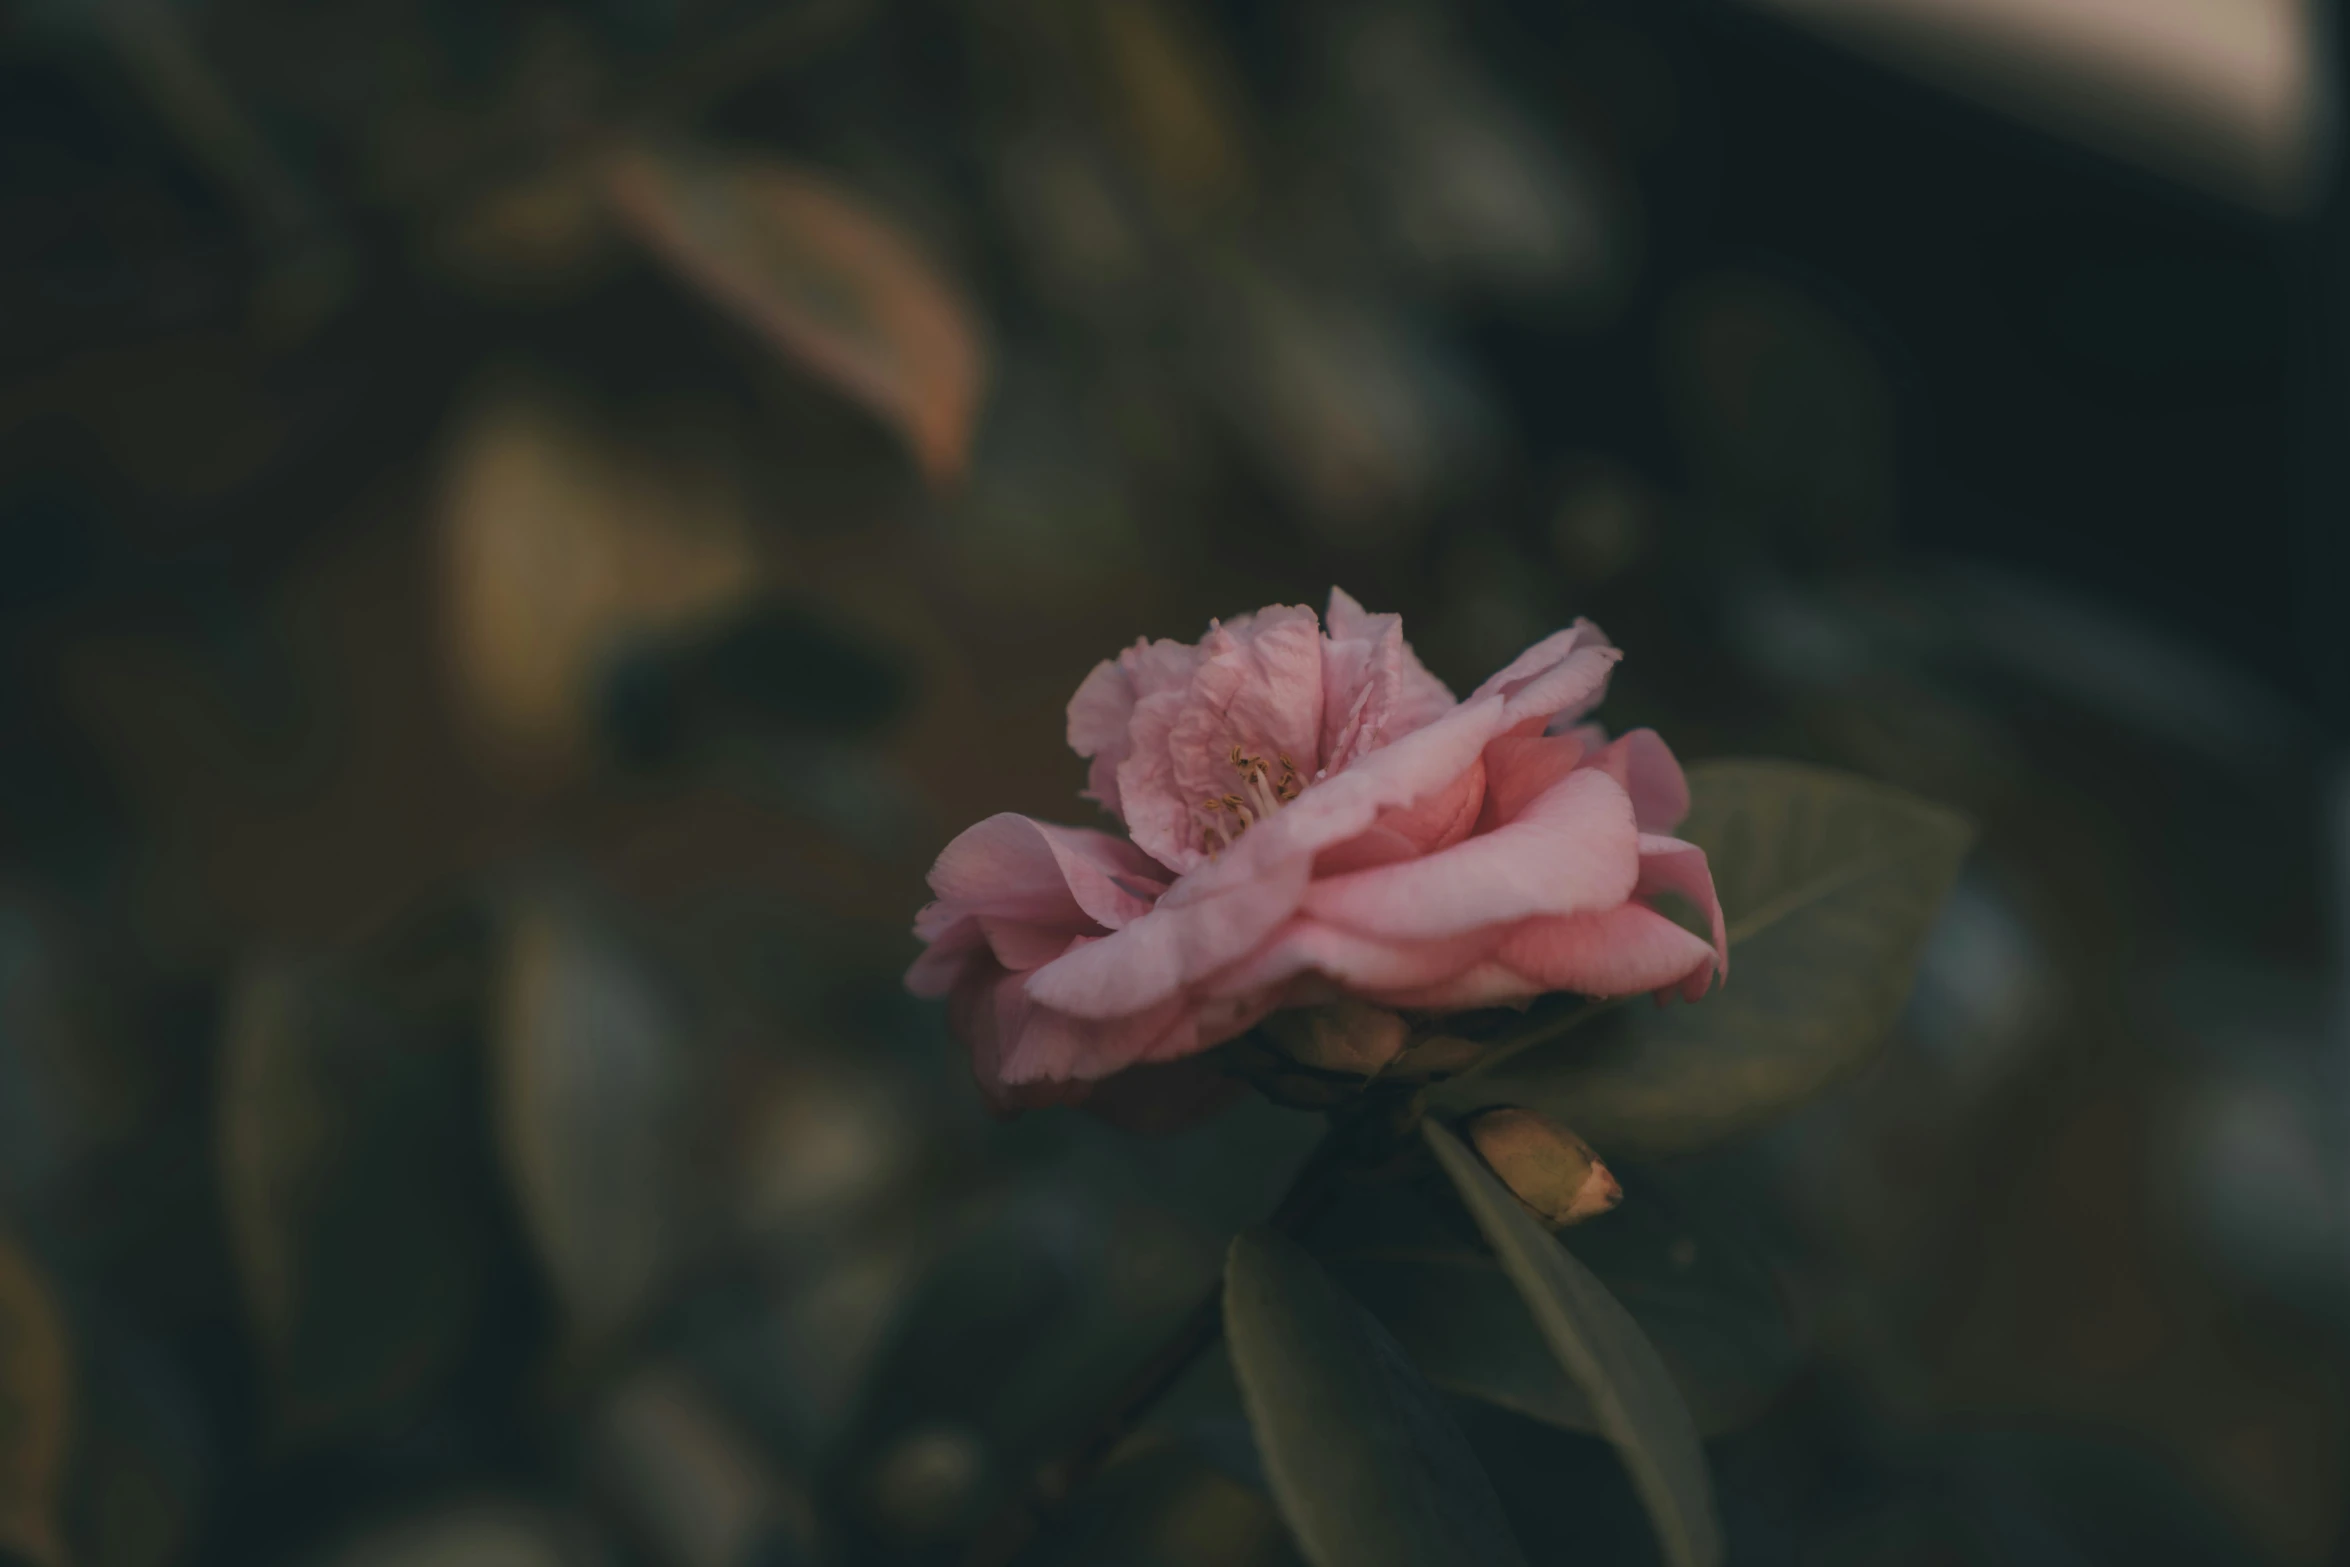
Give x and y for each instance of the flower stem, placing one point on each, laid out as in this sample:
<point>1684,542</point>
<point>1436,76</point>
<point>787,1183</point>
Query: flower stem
<point>1016,1524</point>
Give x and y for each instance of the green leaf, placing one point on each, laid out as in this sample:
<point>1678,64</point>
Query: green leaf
<point>1712,1310</point>
<point>1831,885</point>
<point>1368,1467</point>
<point>1601,1348</point>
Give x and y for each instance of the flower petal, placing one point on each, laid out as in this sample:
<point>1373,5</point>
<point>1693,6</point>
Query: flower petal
<point>1014,893</point>
<point>986,1014</point>
<point>1217,913</point>
<point>1258,690</point>
<point>1562,676</point>
<point>1373,846</point>
<point>1157,812</point>
<point>1670,865</point>
<point>1206,921</point>
<point>1020,946</point>
<point>1519,769</point>
<point>1040,1044</point>
<point>951,953</point>
<point>1102,712</point>
<point>1573,849</point>
<point>1374,688</point>
<point>1613,952</point>
<point>1646,767</point>
<point>1257,687</point>
<point>1016,868</point>
<point>1357,962</point>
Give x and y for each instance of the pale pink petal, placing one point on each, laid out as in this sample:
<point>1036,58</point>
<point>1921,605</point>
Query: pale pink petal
<point>1114,882</point>
<point>1040,1044</point>
<point>1519,769</point>
<point>1354,961</point>
<point>1162,818</point>
<point>1020,946</point>
<point>1375,846</point>
<point>1102,711</point>
<point>1099,716</point>
<point>984,1014</point>
<point>1670,865</point>
<point>1257,686</point>
<point>1613,952</point>
<point>1221,910</point>
<point>1258,690</point>
<point>1573,849</point>
<point>950,954</point>
<point>1015,893</point>
<point>1563,675</point>
<point>1206,921</point>
<point>1011,866</point>
<point>1275,708</point>
<point>1398,776</point>
<point>1210,1020</point>
<point>1003,865</point>
<point>1646,767</point>
<point>1374,687</point>
<point>1441,819</point>
<point>1049,1045</point>
<point>1407,832</point>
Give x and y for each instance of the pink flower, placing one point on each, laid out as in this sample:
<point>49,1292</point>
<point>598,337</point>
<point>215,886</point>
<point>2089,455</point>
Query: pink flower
<point>1310,816</point>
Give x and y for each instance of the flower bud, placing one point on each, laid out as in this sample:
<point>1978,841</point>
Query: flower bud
<point>1550,1169</point>
<point>1345,1036</point>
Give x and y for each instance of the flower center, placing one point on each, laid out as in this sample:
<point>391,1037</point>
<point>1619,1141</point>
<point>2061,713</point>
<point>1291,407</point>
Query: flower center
<point>1262,792</point>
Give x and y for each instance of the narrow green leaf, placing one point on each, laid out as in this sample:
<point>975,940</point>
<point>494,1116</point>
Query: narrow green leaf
<point>1368,1467</point>
<point>1831,885</point>
<point>1602,1349</point>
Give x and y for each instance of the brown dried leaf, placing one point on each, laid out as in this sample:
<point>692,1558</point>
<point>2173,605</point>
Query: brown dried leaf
<point>827,280</point>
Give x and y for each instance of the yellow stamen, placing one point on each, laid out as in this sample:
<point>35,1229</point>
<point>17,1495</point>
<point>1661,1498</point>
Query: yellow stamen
<point>1261,793</point>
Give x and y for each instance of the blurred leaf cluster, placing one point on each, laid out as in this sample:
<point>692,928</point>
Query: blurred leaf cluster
<point>519,525</point>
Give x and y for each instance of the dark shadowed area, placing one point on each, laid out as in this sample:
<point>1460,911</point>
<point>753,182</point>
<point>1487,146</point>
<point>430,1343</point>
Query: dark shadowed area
<point>524,528</point>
